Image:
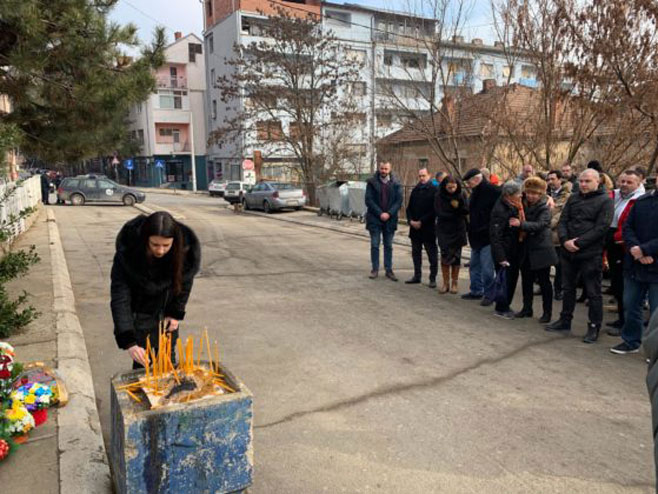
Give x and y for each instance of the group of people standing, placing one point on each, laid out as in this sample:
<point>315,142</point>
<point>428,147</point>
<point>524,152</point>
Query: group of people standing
<point>576,225</point>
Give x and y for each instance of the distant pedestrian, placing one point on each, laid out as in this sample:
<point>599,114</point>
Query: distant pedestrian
<point>582,229</point>
<point>506,219</point>
<point>153,271</point>
<point>45,188</point>
<point>640,233</point>
<point>383,201</point>
<point>481,267</point>
<point>569,175</point>
<point>451,212</point>
<point>527,171</point>
<point>560,191</point>
<point>630,188</point>
<point>536,249</point>
<point>421,216</point>
<point>438,178</point>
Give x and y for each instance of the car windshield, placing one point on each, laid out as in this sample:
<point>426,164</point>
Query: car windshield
<point>233,186</point>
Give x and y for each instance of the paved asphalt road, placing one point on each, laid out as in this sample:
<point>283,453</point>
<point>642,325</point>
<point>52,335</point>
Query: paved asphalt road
<point>373,386</point>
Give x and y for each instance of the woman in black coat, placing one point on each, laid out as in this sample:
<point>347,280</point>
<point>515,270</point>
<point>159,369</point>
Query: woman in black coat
<point>451,211</point>
<point>505,239</point>
<point>537,252</point>
<point>152,275</point>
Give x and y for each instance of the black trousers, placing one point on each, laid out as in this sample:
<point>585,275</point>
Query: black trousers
<point>616,264</point>
<point>557,283</point>
<point>512,280</point>
<point>432,250</point>
<point>147,326</point>
<point>543,277</point>
<point>589,272</point>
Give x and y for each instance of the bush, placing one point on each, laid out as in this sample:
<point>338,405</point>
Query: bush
<point>14,313</point>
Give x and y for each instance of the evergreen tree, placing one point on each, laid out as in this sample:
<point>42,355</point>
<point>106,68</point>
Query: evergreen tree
<point>63,65</point>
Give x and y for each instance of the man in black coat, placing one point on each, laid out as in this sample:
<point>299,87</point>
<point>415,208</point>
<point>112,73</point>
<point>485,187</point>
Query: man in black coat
<point>482,200</point>
<point>383,200</point>
<point>582,230</point>
<point>421,215</point>
<point>640,233</point>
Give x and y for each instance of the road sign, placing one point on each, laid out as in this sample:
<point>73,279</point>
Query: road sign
<point>249,177</point>
<point>159,163</point>
<point>247,165</point>
<point>128,164</point>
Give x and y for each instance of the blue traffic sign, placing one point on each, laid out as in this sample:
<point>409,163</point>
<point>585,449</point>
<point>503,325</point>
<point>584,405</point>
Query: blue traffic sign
<point>128,164</point>
<point>159,163</point>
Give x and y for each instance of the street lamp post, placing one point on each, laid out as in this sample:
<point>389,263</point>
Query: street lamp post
<point>193,158</point>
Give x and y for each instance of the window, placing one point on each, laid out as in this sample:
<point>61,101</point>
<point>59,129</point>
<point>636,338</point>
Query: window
<point>214,109</point>
<point>413,61</point>
<point>211,43</point>
<point>213,79</point>
<point>194,49</point>
<point>140,136</point>
<point>139,108</point>
<point>337,18</point>
<point>528,72</point>
<point>384,120</point>
<point>356,117</point>
<point>486,70</point>
<point>106,184</point>
<point>388,60</point>
<point>356,55</point>
<point>269,130</point>
<point>88,184</point>
<point>358,88</point>
<point>166,131</point>
<point>507,71</point>
<point>170,100</point>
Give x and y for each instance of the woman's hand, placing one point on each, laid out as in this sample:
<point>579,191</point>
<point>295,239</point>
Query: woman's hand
<point>171,324</point>
<point>514,222</point>
<point>138,354</point>
<point>505,264</point>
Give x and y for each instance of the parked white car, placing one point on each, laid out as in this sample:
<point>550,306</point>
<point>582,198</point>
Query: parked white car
<point>235,192</point>
<point>216,188</point>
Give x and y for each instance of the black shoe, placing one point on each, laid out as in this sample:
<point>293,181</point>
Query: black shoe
<point>413,281</point>
<point>558,296</point>
<point>624,349</point>
<point>618,324</point>
<point>471,296</point>
<point>486,302</point>
<point>505,315</point>
<point>614,332</point>
<point>432,284</point>
<point>373,274</point>
<point>523,313</point>
<point>592,333</point>
<point>545,318</point>
<point>391,276</point>
<point>559,325</point>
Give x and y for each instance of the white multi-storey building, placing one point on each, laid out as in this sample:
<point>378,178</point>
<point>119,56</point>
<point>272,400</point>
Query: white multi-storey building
<point>170,126</point>
<point>395,78</point>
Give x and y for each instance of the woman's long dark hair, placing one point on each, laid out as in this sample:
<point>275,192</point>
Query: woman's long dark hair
<point>163,224</point>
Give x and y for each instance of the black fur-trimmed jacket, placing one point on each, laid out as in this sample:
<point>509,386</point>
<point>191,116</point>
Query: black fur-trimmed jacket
<point>140,286</point>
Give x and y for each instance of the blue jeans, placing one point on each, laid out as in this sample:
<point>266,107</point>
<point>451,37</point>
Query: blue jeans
<point>376,235</point>
<point>481,270</point>
<point>635,293</point>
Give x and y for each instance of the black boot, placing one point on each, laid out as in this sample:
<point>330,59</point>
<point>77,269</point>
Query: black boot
<point>523,313</point>
<point>592,333</point>
<point>559,325</point>
<point>414,280</point>
<point>545,318</point>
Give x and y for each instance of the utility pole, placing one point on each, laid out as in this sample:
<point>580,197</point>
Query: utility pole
<point>193,158</point>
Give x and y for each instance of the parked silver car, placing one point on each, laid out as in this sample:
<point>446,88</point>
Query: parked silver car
<point>234,192</point>
<point>217,188</point>
<point>273,196</point>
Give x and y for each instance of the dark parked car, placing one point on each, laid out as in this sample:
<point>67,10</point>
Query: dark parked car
<point>93,188</point>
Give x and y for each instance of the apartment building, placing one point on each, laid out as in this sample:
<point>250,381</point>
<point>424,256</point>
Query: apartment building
<point>170,126</point>
<point>393,49</point>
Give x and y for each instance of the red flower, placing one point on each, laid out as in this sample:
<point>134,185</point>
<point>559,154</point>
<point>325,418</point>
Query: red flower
<point>4,449</point>
<point>5,374</point>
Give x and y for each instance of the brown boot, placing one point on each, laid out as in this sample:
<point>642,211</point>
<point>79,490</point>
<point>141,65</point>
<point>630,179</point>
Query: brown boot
<point>445,271</point>
<point>455,279</point>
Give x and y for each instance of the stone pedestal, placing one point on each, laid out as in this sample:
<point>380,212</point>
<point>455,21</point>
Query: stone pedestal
<point>200,447</point>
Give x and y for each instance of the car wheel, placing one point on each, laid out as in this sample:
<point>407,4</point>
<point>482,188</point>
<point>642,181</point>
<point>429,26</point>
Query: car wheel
<point>319,212</point>
<point>267,208</point>
<point>128,200</point>
<point>77,200</point>
<point>245,205</point>
<point>212,194</point>
<point>299,208</point>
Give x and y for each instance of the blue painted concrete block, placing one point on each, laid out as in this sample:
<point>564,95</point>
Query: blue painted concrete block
<point>201,447</point>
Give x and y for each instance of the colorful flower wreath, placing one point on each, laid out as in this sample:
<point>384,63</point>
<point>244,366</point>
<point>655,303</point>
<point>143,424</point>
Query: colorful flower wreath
<point>34,396</point>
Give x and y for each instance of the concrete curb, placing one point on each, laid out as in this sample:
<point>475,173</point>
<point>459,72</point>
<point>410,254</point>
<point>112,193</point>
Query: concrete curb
<point>83,465</point>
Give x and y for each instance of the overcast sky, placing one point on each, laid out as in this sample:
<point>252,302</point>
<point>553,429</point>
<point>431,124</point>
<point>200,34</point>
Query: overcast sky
<point>187,15</point>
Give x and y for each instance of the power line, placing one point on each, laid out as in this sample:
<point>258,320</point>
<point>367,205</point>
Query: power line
<point>149,16</point>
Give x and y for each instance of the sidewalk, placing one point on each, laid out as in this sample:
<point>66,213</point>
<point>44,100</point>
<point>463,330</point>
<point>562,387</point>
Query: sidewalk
<point>66,454</point>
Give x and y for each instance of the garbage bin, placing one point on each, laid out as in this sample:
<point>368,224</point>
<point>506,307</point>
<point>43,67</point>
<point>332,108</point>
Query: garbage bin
<point>338,199</point>
<point>323,199</point>
<point>356,192</point>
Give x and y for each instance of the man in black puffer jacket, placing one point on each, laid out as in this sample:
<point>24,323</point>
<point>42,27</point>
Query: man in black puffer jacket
<point>421,216</point>
<point>482,200</point>
<point>582,229</point>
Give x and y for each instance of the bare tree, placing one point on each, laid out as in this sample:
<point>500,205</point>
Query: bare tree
<point>294,92</point>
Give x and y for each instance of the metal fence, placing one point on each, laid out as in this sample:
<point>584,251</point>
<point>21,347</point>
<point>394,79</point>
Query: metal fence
<point>15,198</point>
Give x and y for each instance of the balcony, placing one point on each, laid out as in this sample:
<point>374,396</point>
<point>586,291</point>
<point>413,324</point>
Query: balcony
<point>172,82</point>
<point>182,147</point>
<point>172,148</point>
